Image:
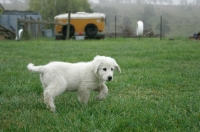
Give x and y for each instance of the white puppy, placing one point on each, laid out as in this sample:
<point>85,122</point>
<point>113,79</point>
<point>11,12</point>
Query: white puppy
<point>57,77</point>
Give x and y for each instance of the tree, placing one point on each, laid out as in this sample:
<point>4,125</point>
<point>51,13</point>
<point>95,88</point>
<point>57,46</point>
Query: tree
<point>50,8</point>
<point>183,2</point>
<point>148,16</point>
<point>127,21</point>
<point>140,1</point>
<point>151,1</point>
<point>110,13</point>
<point>198,2</point>
<point>162,2</point>
<point>117,1</point>
<point>103,1</point>
<point>1,9</point>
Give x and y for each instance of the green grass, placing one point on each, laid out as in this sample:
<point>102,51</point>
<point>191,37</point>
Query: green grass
<point>158,89</point>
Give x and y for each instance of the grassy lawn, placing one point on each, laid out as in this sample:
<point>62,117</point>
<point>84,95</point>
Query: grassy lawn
<point>158,89</point>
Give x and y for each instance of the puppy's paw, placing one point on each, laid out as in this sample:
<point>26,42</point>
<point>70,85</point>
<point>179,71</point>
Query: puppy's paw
<point>53,110</point>
<point>100,97</point>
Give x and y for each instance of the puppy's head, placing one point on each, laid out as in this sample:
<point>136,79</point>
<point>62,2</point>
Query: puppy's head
<point>104,67</point>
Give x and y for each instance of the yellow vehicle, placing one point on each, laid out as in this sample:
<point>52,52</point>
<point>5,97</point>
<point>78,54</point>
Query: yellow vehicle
<point>89,25</point>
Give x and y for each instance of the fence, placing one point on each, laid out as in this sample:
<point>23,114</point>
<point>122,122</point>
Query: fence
<point>33,28</point>
<point>161,27</point>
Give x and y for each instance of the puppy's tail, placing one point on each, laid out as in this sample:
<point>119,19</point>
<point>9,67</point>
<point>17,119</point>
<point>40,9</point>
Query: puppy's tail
<point>33,68</point>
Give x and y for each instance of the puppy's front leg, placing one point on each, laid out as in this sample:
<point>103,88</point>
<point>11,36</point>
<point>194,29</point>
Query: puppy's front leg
<point>83,95</point>
<point>103,91</point>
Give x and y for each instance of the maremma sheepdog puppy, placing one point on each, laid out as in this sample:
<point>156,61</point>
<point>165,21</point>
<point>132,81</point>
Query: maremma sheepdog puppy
<point>58,77</point>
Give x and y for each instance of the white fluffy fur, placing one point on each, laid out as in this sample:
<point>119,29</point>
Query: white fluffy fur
<point>57,77</point>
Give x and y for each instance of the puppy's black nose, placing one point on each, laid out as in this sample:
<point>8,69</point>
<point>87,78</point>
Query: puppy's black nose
<point>109,78</point>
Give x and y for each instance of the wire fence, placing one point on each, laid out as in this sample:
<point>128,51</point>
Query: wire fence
<point>183,28</point>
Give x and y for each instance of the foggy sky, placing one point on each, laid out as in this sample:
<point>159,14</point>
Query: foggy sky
<point>176,2</point>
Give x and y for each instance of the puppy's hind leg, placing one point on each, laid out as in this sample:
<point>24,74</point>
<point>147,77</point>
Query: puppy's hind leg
<point>103,91</point>
<point>49,100</point>
<point>49,95</point>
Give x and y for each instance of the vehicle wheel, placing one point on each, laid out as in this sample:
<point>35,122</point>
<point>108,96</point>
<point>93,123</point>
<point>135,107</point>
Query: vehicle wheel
<point>64,30</point>
<point>91,30</point>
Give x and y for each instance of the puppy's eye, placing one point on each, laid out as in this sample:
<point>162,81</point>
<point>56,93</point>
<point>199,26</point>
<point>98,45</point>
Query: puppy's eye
<point>111,69</point>
<point>104,69</point>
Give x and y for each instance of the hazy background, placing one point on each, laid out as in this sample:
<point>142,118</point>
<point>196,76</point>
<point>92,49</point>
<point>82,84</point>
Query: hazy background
<point>181,18</point>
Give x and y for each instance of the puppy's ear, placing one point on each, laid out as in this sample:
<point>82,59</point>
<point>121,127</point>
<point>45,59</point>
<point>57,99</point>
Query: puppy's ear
<point>117,67</point>
<point>96,67</point>
<point>97,57</point>
<point>96,63</point>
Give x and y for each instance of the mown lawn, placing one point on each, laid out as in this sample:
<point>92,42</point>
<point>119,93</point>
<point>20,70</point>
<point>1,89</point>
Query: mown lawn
<point>158,89</point>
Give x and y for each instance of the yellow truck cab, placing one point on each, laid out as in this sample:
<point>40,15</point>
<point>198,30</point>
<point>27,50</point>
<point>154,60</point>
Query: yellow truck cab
<point>89,25</point>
